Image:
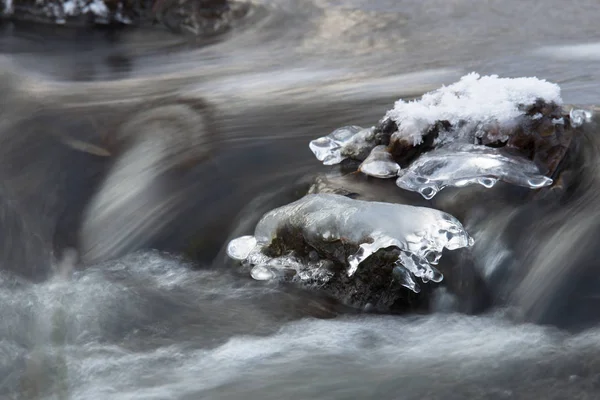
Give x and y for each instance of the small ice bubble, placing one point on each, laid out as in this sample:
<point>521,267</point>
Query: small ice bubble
<point>428,192</point>
<point>380,164</point>
<point>487,182</point>
<point>462,164</point>
<point>579,117</point>
<point>262,273</point>
<point>240,248</point>
<point>403,277</point>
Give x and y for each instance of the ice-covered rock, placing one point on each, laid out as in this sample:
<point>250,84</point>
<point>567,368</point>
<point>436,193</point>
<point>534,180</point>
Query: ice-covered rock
<point>462,164</point>
<point>308,237</point>
<point>451,136</point>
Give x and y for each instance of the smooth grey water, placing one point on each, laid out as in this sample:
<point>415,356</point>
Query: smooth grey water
<point>152,326</point>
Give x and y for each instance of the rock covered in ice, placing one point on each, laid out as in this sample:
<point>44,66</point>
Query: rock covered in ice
<point>380,164</point>
<point>487,108</point>
<point>307,236</point>
<point>474,116</point>
<point>462,164</point>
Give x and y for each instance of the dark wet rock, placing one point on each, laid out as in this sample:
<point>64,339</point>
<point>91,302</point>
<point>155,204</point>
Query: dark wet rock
<point>197,17</point>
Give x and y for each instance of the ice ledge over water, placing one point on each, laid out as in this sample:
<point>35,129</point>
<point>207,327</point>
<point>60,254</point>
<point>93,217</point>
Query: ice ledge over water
<point>331,225</point>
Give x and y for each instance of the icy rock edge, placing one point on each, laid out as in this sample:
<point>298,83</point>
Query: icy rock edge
<point>459,133</point>
<point>302,238</point>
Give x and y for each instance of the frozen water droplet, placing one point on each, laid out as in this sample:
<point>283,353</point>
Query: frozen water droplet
<point>579,117</point>
<point>380,164</point>
<point>240,248</point>
<point>428,192</point>
<point>262,273</point>
<point>487,182</point>
<point>539,181</point>
<point>403,277</point>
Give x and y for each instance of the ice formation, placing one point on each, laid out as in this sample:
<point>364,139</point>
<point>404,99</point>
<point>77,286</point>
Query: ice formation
<point>380,164</point>
<point>328,223</point>
<point>446,137</point>
<point>346,142</point>
<point>462,164</point>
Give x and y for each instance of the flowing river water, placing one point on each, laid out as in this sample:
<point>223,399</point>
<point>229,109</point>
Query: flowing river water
<point>149,324</point>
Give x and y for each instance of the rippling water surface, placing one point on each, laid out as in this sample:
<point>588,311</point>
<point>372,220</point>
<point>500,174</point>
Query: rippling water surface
<point>150,325</point>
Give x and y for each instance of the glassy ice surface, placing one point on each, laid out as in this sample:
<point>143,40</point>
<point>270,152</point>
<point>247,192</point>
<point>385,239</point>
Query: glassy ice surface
<point>463,164</point>
<point>419,233</point>
<point>240,248</point>
<point>380,164</point>
<point>346,142</point>
<point>473,103</point>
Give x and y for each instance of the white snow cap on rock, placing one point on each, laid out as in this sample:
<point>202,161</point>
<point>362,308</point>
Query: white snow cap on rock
<point>474,99</point>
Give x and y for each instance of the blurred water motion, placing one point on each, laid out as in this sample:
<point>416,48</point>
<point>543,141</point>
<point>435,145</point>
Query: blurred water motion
<point>117,144</point>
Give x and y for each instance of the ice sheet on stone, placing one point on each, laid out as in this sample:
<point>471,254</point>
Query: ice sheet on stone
<point>474,102</point>
<point>463,164</point>
<point>380,164</point>
<point>346,142</point>
<point>420,234</point>
<point>240,248</point>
